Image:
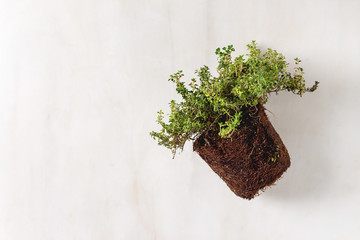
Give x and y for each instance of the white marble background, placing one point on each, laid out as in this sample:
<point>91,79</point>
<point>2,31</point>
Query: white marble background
<point>81,82</point>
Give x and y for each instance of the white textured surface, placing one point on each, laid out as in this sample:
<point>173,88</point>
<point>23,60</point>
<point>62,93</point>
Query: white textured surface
<point>81,82</point>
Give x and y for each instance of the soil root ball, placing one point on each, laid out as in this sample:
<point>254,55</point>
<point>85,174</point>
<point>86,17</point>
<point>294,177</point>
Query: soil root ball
<point>252,159</point>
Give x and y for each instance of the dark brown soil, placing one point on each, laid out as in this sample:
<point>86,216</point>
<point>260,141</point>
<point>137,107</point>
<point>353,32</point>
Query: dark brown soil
<point>255,156</point>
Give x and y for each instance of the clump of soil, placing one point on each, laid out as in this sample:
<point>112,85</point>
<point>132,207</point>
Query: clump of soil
<point>254,158</point>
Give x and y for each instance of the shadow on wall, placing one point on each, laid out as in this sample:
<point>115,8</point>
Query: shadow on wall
<point>309,127</point>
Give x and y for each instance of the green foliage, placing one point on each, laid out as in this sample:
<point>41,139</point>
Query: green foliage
<point>215,103</point>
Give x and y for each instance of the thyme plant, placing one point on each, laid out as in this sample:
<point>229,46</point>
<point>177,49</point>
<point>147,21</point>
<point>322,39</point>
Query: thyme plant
<point>216,102</point>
